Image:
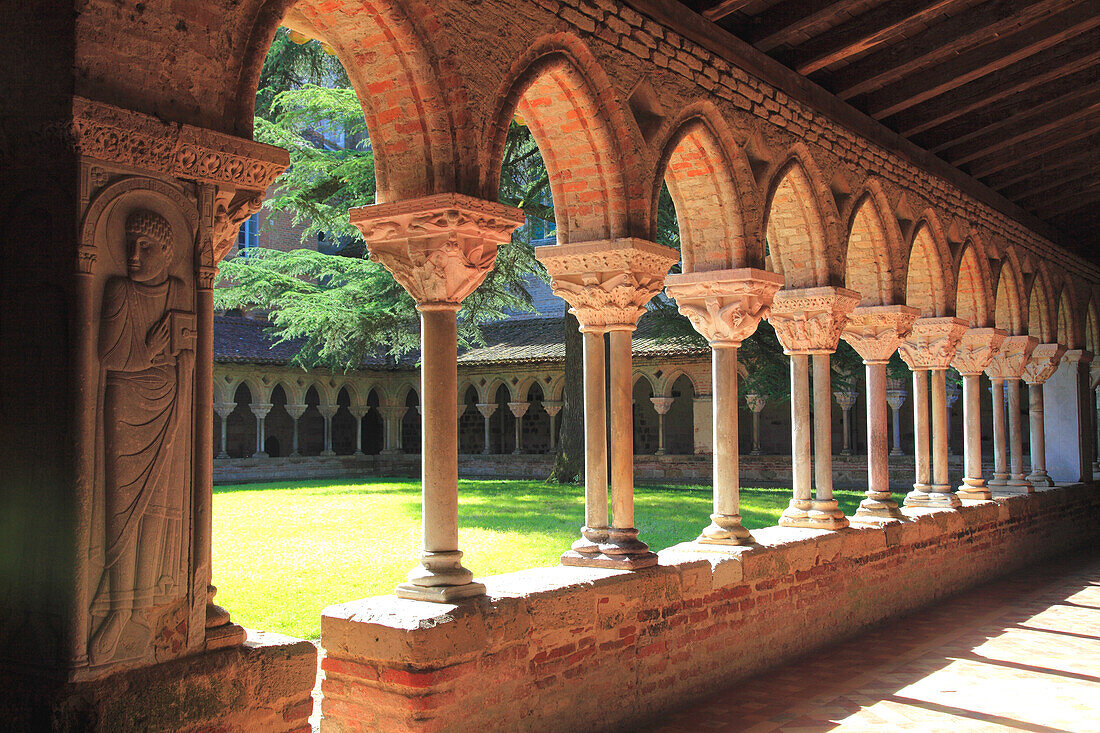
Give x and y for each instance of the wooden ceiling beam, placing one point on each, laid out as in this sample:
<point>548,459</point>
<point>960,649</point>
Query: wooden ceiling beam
<point>1042,146</point>
<point>1047,180</point>
<point>1033,102</point>
<point>1054,163</point>
<point>780,23</point>
<point>1055,195</point>
<point>863,33</point>
<point>1080,54</point>
<point>982,61</point>
<point>1073,202</point>
<point>940,42</point>
<point>1066,115</point>
<point>726,7</point>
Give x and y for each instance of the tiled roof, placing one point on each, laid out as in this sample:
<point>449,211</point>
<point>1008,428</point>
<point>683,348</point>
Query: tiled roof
<point>246,341</point>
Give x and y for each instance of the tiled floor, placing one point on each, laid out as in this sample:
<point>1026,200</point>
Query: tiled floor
<point>1021,653</point>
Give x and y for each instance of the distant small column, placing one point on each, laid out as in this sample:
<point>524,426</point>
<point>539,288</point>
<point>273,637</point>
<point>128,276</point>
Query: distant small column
<point>487,409</point>
<point>661,405</point>
<point>260,410</point>
<point>519,409</point>
<point>895,398</point>
<point>553,407</point>
<point>846,401</point>
<point>295,412</point>
<point>359,412</point>
<point>224,410</point>
<point>953,392</point>
<point>328,412</point>
<point>1004,373</point>
<point>1044,361</point>
<point>756,404</point>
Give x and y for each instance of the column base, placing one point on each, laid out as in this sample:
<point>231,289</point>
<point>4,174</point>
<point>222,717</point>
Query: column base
<point>222,637</point>
<point>646,559</point>
<point>725,529</point>
<point>1018,485</point>
<point>976,491</point>
<point>878,508</point>
<point>614,547</point>
<point>999,479</point>
<point>358,453</point>
<point>261,454</point>
<point>223,454</point>
<point>897,453</point>
<point>439,593</point>
<point>328,453</point>
<point>1040,478</point>
<point>813,514</point>
<point>440,578</point>
<point>934,497</point>
<point>759,453</point>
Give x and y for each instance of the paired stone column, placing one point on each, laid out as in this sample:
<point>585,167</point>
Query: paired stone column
<point>953,392</point>
<point>1005,371</point>
<point>391,428</point>
<point>725,307</point>
<point>809,322</point>
<point>224,410</point>
<point>607,284</point>
<point>876,332</point>
<point>439,248</point>
<point>328,412</point>
<point>1042,364</point>
<point>756,404</point>
<point>359,412</point>
<point>519,409</point>
<point>552,407</point>
<point>895,397</point>
<point>487,409</point>
<point>661,405</point>
<point>976,349</point>
<point>928,351</point>
<point>260,410</point>
<point>295,412</point>
<point>846,400</point>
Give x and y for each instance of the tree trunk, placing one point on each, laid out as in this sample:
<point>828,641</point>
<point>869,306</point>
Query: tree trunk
<point>569,460</point>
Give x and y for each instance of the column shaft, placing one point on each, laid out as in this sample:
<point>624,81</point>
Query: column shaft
<point>488,433</point>
<point>921,436</point>
<point>1000,435</point>
<point>800,430</point>
<point>294,439</point>
<point>878,504</point>
<point>622,432</point>
<point>1038,476</point>
<point>755,433</point>
<point>897,431</point>
<point>823,427</point>
<point>224,453</point>
<point>595,445</point>
<point>939,431</point>
<point>358,435</point>
<point>1018,480</point>
<point>973,486</point>
<point>846,428</point>
<point>725,527</point>
<point>519,435</point>
<point>661,433</point>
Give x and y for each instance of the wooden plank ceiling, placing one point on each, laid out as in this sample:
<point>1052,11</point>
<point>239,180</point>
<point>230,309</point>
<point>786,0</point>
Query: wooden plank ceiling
<point>1007,91</point>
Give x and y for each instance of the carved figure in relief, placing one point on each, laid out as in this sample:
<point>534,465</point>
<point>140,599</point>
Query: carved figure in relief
<point>146,349</point>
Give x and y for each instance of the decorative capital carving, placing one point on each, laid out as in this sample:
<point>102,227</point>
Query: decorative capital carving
<point>328,411</point>
<point>359,411</point>
<point>1077,356</point>
<point>756,402</point>
<point>931,343</point>
<point>846,400</point>
<point>895,397</point>
<point>440,247</point>
<point>552,407</point>
<point>296,411</point>
<point>607,283</point>
<point>134,140</point>
<point>1010,360</point>
<point>261,409</point>
<point>1043,362</point>
<point>661,404</point>
<point>393,412</point>
<point>810,320</point>
<point>725,306</point>
<point>519,409</point>
<point>224,409</point>
<point>486,409</point>
<point>976,349</point>
<point>876,331</point>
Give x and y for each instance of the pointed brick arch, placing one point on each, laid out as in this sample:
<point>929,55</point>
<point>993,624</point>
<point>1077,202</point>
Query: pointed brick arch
<point>1068,331</point>
<point>874,239</point>
<point>708,181</point>
<point>1092,326</point>
<point>973,299</point>
<point>797,237</point>
<point>578,122</point>
<point>1041,308</point>
<point>927,282</point>
<point>1010,312</point>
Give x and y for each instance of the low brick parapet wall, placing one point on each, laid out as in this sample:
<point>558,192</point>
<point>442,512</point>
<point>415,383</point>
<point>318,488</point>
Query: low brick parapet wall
<point>565,649</point>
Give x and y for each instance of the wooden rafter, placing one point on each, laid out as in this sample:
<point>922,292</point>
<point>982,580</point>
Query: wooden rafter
<point>725,7</point>
<point>1035,148</point>
<point>1047,181</point>
<point>1027,129</point>
<point>780,23</point>
<point>1073,201</point>
<point>1055,162</point>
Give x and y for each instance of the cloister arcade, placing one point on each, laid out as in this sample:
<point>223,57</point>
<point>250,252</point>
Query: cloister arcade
<point>789,209</point>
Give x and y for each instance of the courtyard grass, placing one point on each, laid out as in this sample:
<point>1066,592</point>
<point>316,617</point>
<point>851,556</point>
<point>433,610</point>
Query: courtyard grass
<point>284,551</point>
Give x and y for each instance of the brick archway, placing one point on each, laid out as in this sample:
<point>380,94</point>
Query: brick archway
<point>973,302</point>
<point>1041,308</point>
<point>927,287</point>
<point>873,239</point>
<point>1010,313</point>
<point>795,226</point>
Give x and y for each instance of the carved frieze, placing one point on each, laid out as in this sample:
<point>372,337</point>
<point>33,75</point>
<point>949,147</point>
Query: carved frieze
<point>607,283</point>
<point>1043,362</point>
<point>976,350</point>
<point>756,402</point>
<point>441,247</point>
<point>1010,361</point>
<point>810,320</point>
<point>725,306</point>
<point>932,342</point>
<point>876,331</point>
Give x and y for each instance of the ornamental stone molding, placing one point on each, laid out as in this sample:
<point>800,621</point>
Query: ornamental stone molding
<point>608,282</point>
<point>1010,361</point>
<point>440,247</point>
<point>661,405</point>
<point>810,320</point>
<point>486,409</point>
<point>114,135</point>
<point>1043,362</point>
<point>976,350</point>
<point>756,402</point>
<point>296,410</point>
<point>932,342</point>
<point>552,407</point>
<point>846,400</point>
<point>724,306</point>
<point>519,409</point>
<point>876,331</point>
<point>1077,356</point>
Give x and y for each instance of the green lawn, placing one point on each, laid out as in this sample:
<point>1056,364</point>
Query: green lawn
<point>283,551</point>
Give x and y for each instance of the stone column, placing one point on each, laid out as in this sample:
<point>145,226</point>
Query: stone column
<point>725,307</point>
<point>876,332</point>
<point>260,410</point>
<point>328,412</point>
<point>224,410</point>
<point>553,407</point>
<point>519,409</point>
<point>607,284</point>
<point>1006,369</point>
<point>809,322</point>
<point>756,404</point>
<point>895,397</point>
<point>439,248</point>
<point>846,400</point>
<point>359,412</point>
<point>953,392</point>
<point>975,351</point>
<point>1068,422</point>
<point>703,418</point>
<point>661,405</point>
<point>295,411</point>
<point>487,409</point>
<point>391,428</point>
<point>930,347</point>
<point>1044,361</point>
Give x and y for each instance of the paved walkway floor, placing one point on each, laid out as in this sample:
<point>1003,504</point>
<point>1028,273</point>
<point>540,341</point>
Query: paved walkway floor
<point>1022,653</point>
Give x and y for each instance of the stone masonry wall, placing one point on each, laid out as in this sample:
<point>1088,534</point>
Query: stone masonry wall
<point>563,649</point>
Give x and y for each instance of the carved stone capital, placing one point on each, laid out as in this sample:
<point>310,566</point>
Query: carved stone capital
<point>1043,362</point>
<point>725,306</point>
<point>486,409</point>
<point>931,343</point>
<point>1010,361</point>
<point>519,409</point>
<point>296,411</point>
<point>1077,356</point>
<point>976,349</point>
<point>846,400</point>
<point>393,412</point>
<point>359,411</point>
<point>756,402</point>
<point>224,409</point>
<point>261,409</point>
<point>810,320</point>
<point>895,397</point>
<point>607,283</point>
<point>552,407</point>
<point>328,411</point>
<point>661,404</point>
<point>876,331</point>
<point>441,247</point>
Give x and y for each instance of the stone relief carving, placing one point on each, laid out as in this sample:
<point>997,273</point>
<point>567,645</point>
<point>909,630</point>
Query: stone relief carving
<point>876,332</point>
<point>147,330</point>
<point>1010,360</point>
<point>932,342</point>
<point>810,320</point>
<point>976,349</point>
<point>1044,361</point>
<point>726,309</point>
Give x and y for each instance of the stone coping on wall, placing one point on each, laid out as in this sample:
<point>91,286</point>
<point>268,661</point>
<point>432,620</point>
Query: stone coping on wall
<point>563,648</point>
